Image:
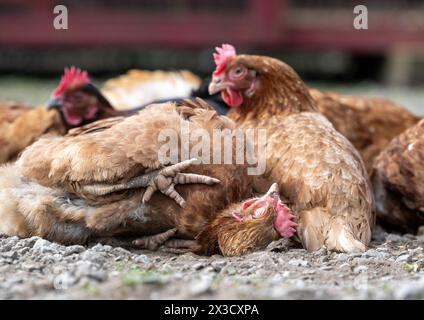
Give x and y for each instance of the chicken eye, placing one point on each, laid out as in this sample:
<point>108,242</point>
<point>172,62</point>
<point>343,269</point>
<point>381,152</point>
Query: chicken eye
<point>237,72</point>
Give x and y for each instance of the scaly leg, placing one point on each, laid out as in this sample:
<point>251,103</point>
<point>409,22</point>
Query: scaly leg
<point>163,180</point>
<point>146,242</point>
<point>154,242</point>
<point>180,246</point>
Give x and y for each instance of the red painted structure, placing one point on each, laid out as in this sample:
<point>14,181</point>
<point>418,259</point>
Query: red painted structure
<point>199,23</point>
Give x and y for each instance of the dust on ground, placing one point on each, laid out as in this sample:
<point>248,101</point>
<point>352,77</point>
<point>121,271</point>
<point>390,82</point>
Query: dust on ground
<point>393,267</point>
<point>34,268</point>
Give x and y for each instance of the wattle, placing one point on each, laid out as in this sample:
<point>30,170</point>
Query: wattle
<point>233,98</point>
<point>283,222</point>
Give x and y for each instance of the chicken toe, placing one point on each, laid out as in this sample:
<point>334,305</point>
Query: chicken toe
<point>167,178</point>
<point>163,180</point>
<point>155,241</point>
<point>180,246</point>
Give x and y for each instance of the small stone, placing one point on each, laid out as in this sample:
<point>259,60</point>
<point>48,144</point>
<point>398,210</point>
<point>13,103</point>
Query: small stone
<point>198,266</point>
<point>415,251</point>
<point>321,252</point>
<point>375,254</point>
<point>200,286</point>
<point>326,268</point>
<point>64,281</point>
<point>23,251</point>
<point>393,238</point>
<point>29,242</point>
<point>74,249</point>
<point>230,270</point>
<point>98,275</point>
<point>286,274</point>
<point>31,266</point>
<point>310,271</point>
<point>360,269</point>
<point>341,257</point>
<point>12,255</point>
<point>93,256</point>
<point>218,265</point>
<point>281,245</point>
<point>276,279</point>
<point>57,257</point>
<point>98,248</point>
<point>83,268</point>
<point>323,259</point>
<point>45,246</point>
<point>404,258</point>
<point>121,251</point>
<point>142,258</point>
<point>299,263</point>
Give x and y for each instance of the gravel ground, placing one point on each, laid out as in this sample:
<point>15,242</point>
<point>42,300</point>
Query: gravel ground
<point>393,268</point>
<point>34,268</point>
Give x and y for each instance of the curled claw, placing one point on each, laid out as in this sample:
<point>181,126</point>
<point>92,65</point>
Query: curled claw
<point>168,177</point>
<point>155,241</point>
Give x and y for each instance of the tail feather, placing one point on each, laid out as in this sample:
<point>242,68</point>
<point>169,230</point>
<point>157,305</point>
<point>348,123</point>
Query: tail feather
<point>311,228</point>
<point>317,228</point>
<point>340,237</point>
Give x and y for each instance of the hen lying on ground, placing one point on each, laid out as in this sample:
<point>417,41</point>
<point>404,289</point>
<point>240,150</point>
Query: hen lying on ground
<point>398,180</point>
<point>91,185</point>
<point>318,170</point>
<point>368,123</point>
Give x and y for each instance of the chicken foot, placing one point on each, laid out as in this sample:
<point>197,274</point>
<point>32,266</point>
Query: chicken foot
<point>146,242</point>
<point>180,246</point>
<point>155,241</point>
<point>163,180</point>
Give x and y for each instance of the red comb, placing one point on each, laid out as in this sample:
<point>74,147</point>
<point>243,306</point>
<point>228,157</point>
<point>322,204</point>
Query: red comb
<point>222,56</point>
<point>71,78</point>
<point>284,222</point>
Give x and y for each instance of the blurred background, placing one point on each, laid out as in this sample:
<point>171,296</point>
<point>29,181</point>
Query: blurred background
<point>316,37</point>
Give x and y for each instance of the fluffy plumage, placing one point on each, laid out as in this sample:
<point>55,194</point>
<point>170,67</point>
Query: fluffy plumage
<point>21,125</point>
<point>318,170</point>
<point>398,180</point>
<point>46,194</point>
<point>75,102</point>
<point>368,123</point>
<point>141,87</point>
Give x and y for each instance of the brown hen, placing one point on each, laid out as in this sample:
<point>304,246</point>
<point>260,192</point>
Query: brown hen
<point>91,185</point>
<point>21,125</point>
<point>141,87</point>
<point>369,123</point>
<point>75,102</point>
<point>398,180</point>
<point>318,170</point>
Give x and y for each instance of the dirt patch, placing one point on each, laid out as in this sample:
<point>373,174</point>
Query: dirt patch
<point>393,268</point>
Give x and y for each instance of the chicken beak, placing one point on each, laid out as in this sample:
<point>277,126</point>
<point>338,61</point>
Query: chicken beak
<point>273,191</point>
<point>54,103</point>
<point>217,84</point>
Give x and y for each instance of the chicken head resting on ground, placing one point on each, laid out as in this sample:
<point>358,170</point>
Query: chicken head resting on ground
<point>90,185</point>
